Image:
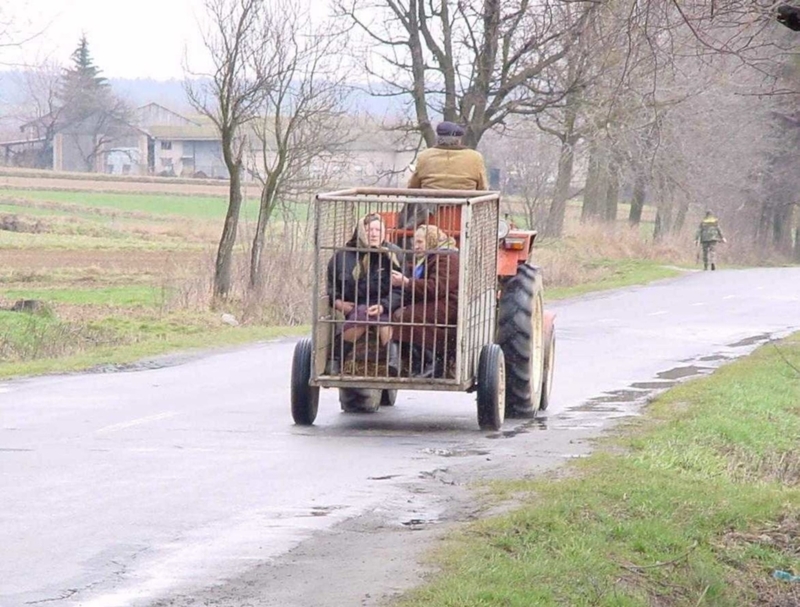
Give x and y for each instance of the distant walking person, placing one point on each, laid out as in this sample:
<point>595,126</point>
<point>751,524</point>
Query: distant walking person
<point>708,235</point>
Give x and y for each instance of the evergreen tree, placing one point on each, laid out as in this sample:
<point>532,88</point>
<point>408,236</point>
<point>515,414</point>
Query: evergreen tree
<point>83,91</point>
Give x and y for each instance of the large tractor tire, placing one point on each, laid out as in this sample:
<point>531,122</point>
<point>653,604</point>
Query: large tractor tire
<point>520,333</point>
<point>305,398</point>
<point>549,363</point>
<point>491,388</point>
<point>359,400</point>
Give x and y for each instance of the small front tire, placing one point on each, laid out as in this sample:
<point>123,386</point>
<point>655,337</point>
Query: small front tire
<point>549,368</point>
<point>305,398</point>
<point>491,388</point>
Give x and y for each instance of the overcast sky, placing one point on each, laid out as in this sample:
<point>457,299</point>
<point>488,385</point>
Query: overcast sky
<point>135,39</point>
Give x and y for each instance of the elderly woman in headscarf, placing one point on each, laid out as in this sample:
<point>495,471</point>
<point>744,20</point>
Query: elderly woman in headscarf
<point>431,297</point>
<point>360,286</point>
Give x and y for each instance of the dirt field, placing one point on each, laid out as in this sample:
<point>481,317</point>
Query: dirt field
<point>153,262</point>
<point>87,182</point>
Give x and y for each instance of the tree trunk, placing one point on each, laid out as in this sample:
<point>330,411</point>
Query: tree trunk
<point>596,189</point>
<point>782,221</point>
<point>612,194</point>
<point>222,271</point>
<point>797,245</point>
<point>680,216</point>
<point>558,208</point>
<point>637,204</point>
<point>265,209</point>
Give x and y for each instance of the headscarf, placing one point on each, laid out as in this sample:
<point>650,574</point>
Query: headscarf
<point>436,239</point>
<point>360,240</point>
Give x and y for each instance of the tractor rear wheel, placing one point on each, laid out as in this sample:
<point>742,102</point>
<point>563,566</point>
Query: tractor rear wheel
<point>359,400</point>
<point>549,367</point>
<point>305,398</point>
<point>520,333</point>
<point>491,388</point>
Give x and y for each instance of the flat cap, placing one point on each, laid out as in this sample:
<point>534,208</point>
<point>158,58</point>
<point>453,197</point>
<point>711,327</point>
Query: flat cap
<point>450,129</point>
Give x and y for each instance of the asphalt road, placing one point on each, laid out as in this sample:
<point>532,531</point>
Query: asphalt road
<point>188,484</point>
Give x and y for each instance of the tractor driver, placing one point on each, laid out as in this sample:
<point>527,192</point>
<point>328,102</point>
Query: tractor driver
<point>449,165</point>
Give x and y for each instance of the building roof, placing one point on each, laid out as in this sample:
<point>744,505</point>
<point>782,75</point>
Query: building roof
<point>200,132</point>
<point>23,141</point>
<point>141,110</point>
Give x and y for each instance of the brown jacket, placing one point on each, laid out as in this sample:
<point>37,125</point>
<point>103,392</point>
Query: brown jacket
<point>433,300</point>
<point>443,168</point>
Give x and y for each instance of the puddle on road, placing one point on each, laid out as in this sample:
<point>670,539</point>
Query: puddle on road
<point>751,341</point>
<point>654,385</point>
<point>538,423</point>
<point>454,452</point>
<point>619,396</point>
<point>418,523</point>
<point>683,372</point>
<point>713,358</point>
<point>628,402</point>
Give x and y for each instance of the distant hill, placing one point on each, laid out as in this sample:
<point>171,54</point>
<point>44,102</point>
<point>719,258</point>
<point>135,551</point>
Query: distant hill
<point>141,91</point>
<point>171,94</point>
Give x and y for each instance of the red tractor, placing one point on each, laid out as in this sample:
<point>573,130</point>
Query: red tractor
<point>506,341</point>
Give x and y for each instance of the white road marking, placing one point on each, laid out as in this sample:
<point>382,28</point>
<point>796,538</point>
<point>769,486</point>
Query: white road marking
<point>729,297</point>
<point>136,422</point>
<point>659,313</point>
<point>4,388</point>
<point>699,303</point>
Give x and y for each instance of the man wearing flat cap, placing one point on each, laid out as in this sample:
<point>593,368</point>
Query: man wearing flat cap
<point>449,165</point>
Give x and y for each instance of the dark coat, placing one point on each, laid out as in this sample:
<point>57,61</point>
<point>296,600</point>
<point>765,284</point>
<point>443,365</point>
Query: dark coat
<point>374,287</point>
<point>432,300</point>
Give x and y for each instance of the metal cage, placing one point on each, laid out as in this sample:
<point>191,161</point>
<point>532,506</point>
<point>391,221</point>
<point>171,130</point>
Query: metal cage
<point>438,341</point>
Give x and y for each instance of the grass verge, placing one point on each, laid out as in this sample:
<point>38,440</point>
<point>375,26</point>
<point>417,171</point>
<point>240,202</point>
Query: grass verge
<point>39,344</point>
<point>614,274</point>
<point>696,503</point>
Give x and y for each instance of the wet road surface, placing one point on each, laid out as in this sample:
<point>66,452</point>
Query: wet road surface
<point>172,485</point>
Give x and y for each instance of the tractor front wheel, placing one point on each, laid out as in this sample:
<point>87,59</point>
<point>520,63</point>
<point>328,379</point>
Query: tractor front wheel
<point>305,398</point>
<point>549,367</point>
<point>520,333</point>
<point>491,388</point>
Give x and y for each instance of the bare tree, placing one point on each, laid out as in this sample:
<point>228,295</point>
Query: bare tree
<point>38,110</point>
<point>473,62</point>
<point>528,160</point>
<point>302,113</point>
<point>230,96</point>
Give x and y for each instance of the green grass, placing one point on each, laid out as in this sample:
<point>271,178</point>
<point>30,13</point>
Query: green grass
<point>621,273</point>
<point>184,206</point>
<point>73,212</point>
<point>71,242</point>
<point>37,344</point>
<point>198,207</point>
<point>695,504</point>
<point>129,295</point>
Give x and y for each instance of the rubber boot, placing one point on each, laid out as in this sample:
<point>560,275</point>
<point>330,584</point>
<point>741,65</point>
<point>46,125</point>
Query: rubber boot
<point>428,365</point>
<point>335,362</point>
<point>393,358</point>
<point>713,267</point>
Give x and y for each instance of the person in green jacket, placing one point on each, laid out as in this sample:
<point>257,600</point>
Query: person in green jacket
<point>708,235</point>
